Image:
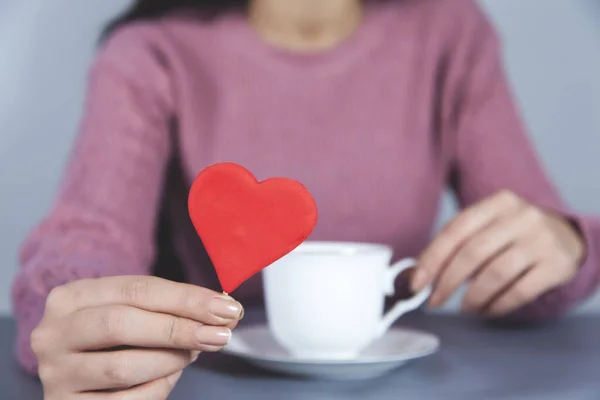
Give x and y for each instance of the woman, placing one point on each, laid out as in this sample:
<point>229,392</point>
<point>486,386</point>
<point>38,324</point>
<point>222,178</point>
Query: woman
<point>376,106</point>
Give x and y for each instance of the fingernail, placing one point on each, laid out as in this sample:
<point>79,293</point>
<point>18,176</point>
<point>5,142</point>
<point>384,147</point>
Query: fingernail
<point>419,280</point>
<point>211,349</point>
<point>213,335</point>
<point>226,308</point>
<point>195,355</point>
<point>172,379</point>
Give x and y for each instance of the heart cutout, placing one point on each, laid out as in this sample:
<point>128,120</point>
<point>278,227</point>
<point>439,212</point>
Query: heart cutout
<point>246,225</point>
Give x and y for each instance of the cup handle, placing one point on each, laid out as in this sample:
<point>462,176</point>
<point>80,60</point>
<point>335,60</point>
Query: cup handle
<point>402,306</point>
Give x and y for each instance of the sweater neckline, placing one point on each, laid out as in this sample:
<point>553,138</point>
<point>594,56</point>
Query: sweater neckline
<point>366,37</point>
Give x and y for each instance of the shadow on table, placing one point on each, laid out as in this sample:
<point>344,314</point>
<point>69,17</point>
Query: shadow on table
<point>235,367</point>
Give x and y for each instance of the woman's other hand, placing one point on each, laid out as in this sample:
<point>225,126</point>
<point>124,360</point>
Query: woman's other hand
<point>511,252</point>
<point>127,337</point>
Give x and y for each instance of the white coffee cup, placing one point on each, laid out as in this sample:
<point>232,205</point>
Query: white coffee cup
<point>325,300</point>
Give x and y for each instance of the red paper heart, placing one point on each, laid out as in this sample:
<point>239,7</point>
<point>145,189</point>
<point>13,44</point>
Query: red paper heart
<point>246,225</point>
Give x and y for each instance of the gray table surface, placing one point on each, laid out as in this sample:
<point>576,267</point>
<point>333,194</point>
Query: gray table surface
<point>555,362</point>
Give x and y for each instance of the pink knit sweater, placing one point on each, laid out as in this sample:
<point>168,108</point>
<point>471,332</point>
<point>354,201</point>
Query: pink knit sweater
<point>376,128</point>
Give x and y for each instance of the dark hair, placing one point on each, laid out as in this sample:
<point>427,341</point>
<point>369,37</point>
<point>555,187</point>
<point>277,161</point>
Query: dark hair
<point>151,9</point>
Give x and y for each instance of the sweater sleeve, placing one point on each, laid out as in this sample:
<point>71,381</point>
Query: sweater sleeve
<point>491,152</point>
<point>102,222</point>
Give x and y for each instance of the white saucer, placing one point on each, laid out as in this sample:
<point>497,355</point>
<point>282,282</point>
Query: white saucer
<point>256,345</point>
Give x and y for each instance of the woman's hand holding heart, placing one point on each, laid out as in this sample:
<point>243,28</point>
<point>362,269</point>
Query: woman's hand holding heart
<point>131,337</point>
<point>510,251</point>
<point>127,337</point>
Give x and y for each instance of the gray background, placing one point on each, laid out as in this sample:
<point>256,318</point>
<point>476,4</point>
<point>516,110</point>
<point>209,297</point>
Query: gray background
<point>552,53</point>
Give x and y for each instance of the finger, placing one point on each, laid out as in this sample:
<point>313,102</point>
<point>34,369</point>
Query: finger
<point>232,325</point>
<point>528,288</point>
<point>497,276</point>
<point>111,326</point>
<point>148,293</point>
<point>477,251</point>
<point>159,389</point>
<point>456,232</point>
<point>123,368</point>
